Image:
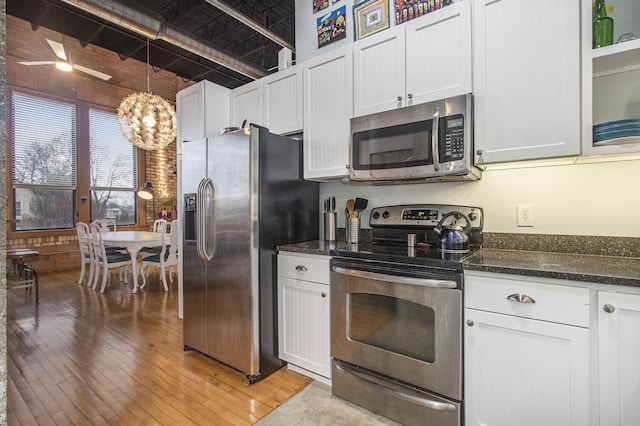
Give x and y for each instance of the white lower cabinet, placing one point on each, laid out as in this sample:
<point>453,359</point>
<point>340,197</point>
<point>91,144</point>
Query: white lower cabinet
<point>526,352</point>
<point>303,314</point>
<point>619,358</point>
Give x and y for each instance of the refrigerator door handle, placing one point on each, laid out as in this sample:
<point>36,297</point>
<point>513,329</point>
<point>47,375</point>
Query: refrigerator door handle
<point>207,190</point>
<point>200,216</point>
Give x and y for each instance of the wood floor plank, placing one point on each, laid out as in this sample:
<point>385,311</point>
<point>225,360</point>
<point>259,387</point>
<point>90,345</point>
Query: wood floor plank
<point>81,357</point>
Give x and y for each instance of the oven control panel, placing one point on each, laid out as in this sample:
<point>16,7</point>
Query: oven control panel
<point>423,215</point>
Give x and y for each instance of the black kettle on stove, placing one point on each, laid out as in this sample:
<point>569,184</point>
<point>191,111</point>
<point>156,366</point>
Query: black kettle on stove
<point>453,236</point>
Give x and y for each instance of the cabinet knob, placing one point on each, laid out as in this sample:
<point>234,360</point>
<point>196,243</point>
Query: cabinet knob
<point>324,294</point>
<point>301,268</point>
<point>399,98</point>
<point>520,298</point>
<point>409,95</point>
<point>470,323</point>
<point>479,152</point>
<point>608,308</point>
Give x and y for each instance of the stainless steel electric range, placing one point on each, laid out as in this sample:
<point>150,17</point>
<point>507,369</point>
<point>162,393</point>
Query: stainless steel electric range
<point>396,313</point>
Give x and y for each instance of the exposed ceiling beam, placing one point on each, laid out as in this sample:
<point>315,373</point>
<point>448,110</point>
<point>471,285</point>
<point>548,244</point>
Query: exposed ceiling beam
<point>252,24</point>
<point>153,26</point>
<point>93,36</point>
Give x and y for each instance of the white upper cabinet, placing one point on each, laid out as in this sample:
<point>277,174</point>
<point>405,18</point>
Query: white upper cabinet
<point>611,80</point>
<point>201,111</point>
<point>328,107</point>
<point>246,104</point>
<point>274,102</point>
<point>426,59</point>
<point>526,79</point>
<point>282,100</point>
<point>379,72</point>
<point>439,54</point>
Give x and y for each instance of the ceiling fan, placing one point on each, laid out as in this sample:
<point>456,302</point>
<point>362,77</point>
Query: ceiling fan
<point>64,63</point>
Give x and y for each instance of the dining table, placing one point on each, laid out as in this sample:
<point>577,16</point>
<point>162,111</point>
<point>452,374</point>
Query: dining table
<point>133,241</point>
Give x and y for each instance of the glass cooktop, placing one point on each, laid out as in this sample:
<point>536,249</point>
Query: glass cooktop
<point>405,255</point>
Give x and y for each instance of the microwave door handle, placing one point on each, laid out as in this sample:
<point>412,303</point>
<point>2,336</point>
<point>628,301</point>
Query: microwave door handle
<point>435,149</point>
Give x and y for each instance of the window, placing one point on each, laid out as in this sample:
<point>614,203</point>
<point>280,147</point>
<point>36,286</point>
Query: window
<point>47,163</point>
<point>113,170</point>
<point>44,162</point>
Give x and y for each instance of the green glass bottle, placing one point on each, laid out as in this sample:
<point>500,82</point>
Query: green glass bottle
<point>602,26</point>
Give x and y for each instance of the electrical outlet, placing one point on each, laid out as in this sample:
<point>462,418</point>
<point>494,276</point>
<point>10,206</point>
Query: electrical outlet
<point>525,214</point>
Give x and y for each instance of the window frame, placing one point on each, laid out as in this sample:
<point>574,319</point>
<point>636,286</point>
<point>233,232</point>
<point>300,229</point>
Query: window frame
<point>136,183</point>
<point>83,173</point>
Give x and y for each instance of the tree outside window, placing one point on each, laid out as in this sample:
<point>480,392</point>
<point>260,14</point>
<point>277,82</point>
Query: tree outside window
<point>44,173</point>
<point>113,170</point>
<point>45,164</point>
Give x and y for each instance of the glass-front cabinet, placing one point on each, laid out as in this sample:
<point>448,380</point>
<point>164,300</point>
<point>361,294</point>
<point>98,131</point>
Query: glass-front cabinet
<point>611,82</point>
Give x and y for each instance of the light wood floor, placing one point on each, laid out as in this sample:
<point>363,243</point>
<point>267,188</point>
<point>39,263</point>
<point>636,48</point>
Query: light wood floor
<point>82,357</point>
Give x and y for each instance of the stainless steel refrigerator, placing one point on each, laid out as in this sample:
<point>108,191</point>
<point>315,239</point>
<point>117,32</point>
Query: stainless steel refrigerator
<point>244,194</point>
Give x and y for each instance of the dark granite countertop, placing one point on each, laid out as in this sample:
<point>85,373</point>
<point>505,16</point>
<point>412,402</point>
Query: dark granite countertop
<point>579,267</point>
<point>312,247</point>
<point>616,270</point>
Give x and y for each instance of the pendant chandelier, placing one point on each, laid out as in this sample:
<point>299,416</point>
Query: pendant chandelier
<point>148,121</point>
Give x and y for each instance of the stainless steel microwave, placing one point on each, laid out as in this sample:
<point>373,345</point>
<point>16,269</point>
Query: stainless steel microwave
<point>423,143</point>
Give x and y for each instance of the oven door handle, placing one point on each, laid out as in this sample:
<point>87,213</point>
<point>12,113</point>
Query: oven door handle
<point>425,282</point>
<point>374,381</point>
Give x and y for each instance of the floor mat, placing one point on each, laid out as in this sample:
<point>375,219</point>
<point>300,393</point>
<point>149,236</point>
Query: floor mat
<point>314,405</point>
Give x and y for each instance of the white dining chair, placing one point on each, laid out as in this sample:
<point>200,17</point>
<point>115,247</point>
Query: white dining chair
<point>86,252</point>
<point>159,225</point>
<point>107,260</point>
<point>167,258</point>
<point>106,224</point>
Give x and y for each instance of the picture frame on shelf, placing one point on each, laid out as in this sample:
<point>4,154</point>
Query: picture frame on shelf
<point>370,17</point>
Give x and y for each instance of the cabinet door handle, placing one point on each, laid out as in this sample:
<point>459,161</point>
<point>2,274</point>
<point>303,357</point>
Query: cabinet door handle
<point>409,96</point>
<point>520,298</point>
<point>324,294</point>
<point>608,308</point>
<point>470,323</point>
<point>301,268</point>
<point>399,98</point>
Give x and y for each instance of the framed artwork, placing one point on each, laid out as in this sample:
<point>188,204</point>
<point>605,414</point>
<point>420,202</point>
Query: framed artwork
<point>406,10</point>
<point>318,5</point>
<point>369,17</point>
<point>332,26</point>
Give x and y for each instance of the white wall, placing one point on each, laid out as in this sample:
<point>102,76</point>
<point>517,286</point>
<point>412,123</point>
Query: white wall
<point>584,199</point>
<point>307,33</point>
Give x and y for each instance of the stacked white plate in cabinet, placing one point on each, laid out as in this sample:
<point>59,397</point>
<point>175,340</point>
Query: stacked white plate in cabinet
<point>617,129</point>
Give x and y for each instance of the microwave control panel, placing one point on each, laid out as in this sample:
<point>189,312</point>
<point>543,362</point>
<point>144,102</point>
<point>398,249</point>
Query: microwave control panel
<point>452,138</point>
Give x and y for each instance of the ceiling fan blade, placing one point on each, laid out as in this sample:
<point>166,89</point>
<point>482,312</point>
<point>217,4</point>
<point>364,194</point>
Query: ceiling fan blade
<point>58,49</point>
<point>37,63</point>
<point>94,73</point>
